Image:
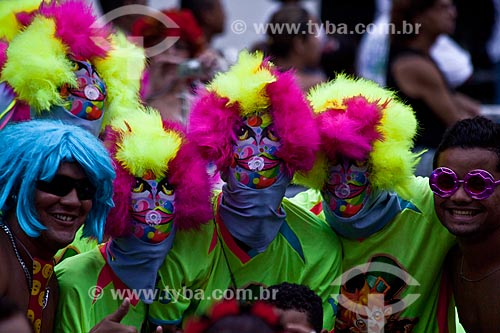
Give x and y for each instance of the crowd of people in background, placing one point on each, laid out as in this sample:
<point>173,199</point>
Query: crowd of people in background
<point>341,183</point>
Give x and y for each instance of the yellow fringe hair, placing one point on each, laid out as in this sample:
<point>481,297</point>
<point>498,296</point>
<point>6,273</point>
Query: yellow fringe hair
<point>9,26</point>
<point>36,79</point>
<point>145,145</point>
<point>121,70</point>
<point>245,83</point>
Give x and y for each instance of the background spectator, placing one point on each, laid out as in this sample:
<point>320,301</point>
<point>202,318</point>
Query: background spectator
<point>413,73</point>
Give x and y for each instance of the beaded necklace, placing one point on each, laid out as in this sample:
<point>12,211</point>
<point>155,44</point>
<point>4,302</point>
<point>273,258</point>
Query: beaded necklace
<point>27,273</point>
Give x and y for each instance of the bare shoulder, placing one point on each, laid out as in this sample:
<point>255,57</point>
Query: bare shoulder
<point>413,74</point>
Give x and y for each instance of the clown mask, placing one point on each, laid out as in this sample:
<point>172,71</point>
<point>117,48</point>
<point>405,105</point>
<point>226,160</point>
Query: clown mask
<point>347,188</point>
<point>152,208</point>
<point>86,100</point>
<point>84,104</point>
<point>255,164</point>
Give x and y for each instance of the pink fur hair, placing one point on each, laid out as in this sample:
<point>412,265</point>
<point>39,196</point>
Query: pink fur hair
<point>212,124</point>
<point>186,172</point>
<point>25,18</point>
<point>74,26</point>
<point>294,123</point>
<point>3,53</point>
<point>350,132</point>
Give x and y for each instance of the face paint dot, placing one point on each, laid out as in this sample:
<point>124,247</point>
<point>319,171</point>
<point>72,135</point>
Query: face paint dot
<point>243,178</point>
<point>255,181</point>
<point>91,92</point>
<point>151,235</point>
<point>342,208</point>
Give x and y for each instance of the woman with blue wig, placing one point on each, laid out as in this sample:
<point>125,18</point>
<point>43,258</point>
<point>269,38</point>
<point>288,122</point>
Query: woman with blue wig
<point>54,178</point>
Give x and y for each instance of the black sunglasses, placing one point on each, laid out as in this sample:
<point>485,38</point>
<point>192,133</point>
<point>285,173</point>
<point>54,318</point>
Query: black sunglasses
<point>63,185</point>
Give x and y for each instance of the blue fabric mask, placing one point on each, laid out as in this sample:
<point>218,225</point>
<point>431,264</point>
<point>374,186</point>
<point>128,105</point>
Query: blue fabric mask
<point>254,216</point>
<point>380,208</point>
<point>137,262</point>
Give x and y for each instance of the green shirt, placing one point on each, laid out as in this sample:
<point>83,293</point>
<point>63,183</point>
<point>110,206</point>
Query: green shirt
<point>79,245</point>
<point>305,251</point>
<point>415,245</point>
<point>80,278</point>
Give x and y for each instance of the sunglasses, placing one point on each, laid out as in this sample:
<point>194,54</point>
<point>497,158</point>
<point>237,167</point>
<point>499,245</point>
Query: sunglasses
<point>478,184</point>
<point>62,185</point>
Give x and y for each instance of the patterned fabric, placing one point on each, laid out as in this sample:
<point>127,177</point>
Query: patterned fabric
<point>42,272</point>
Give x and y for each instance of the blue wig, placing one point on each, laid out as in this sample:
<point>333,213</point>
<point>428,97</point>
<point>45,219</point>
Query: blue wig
<point>33,150</point>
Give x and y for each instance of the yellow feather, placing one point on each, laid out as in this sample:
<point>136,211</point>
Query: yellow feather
<point>122,70</point>
<point>9,26</point>
<point>146,146</point>
<point>245,83</point>
<point>37,65</point>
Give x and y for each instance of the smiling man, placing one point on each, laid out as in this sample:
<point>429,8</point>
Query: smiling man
<point>466,198</point>
<point>55,178</point>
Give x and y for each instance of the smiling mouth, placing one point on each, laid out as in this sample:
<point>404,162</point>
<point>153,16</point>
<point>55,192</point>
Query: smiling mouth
<point>64,218</point>
<point>464,213</point>
<point>269,163</point>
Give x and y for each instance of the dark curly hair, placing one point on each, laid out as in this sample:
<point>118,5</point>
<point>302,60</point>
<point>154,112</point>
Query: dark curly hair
<point>291,296</point>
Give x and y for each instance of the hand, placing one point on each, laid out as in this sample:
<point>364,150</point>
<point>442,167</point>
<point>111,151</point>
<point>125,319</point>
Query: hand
<point>111,323</point>
<point>210,62</point>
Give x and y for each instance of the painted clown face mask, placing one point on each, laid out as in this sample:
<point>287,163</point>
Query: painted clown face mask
<point>86,101</point>
<point>255,164</point>
<point>347,188</point>
<point>152,208</point>
<point>83,105</point>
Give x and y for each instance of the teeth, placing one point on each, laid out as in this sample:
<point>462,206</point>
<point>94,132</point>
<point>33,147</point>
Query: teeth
<point>64,217</point>
<point>463,212</point>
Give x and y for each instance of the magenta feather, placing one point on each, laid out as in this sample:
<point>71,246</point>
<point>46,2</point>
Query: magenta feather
<point>350,132</point>
<point>77,28</point>
<point>294,123</point>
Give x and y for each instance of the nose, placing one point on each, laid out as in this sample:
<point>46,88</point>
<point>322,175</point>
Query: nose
<point>460,195</point>
<point>71,199</point>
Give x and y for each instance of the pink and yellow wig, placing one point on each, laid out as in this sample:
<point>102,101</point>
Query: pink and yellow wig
<point>37,65</point>
<point>360,120</point>
<point>13,14</point>
<point>254,86</point>
<point>144,144</point>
